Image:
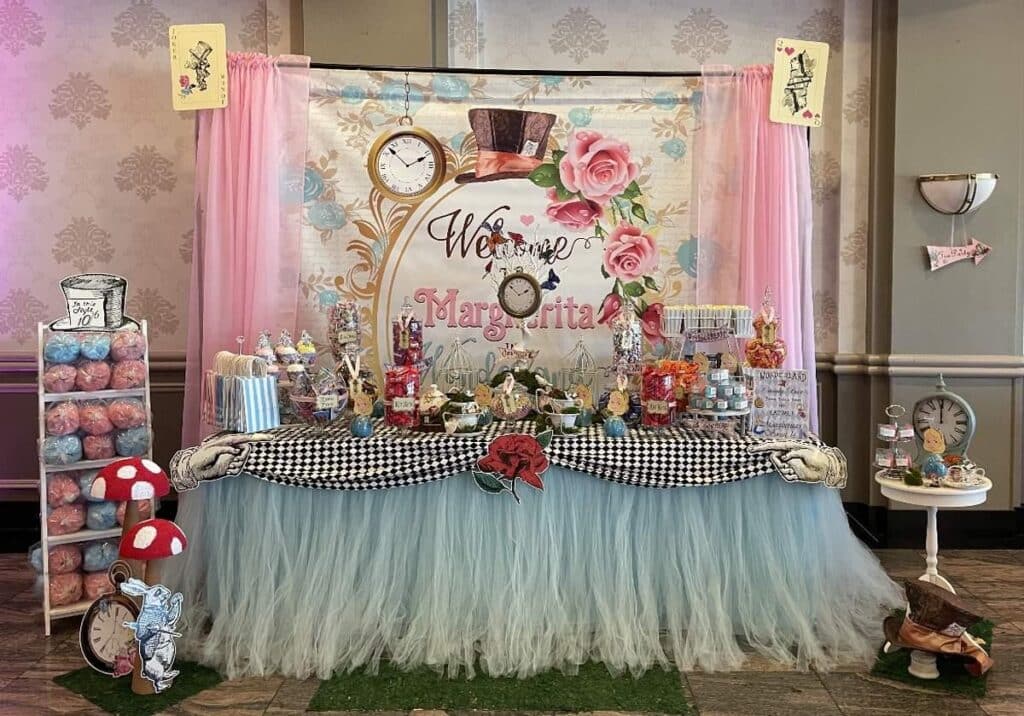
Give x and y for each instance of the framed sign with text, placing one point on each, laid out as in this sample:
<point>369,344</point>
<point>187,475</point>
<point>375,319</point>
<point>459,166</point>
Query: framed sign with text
<point>780,407</point>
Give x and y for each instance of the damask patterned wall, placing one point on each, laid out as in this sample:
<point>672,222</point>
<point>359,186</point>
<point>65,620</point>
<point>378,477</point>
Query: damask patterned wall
<point>669,35</point>
<point>95,167</point>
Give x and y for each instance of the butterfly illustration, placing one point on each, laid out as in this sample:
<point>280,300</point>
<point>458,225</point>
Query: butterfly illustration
<point>552,281</point>
<point>517,239</point>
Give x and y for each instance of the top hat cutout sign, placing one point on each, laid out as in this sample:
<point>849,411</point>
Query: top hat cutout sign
<point>510,143</point>
<point>95,302</point>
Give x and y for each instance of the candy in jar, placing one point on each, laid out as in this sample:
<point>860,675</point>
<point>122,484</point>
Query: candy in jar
<point>658,387</point>
<point>61,489</point>
<point>627,339</point>
<point>401,386</point>
<point>60,378</point>
<point>93,375</point>
<point>128,374</point>
<point>94,418</point>
<point>343,327</point>
<point>61,418</point>
<point>127,345</point>
<point>406,337</point>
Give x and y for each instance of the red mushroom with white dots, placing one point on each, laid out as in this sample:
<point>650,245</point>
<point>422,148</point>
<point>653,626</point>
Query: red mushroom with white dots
<point>130,480</point>
<point>152,541</point>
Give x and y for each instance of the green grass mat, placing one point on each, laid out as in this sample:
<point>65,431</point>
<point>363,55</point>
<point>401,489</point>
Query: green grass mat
<point>115,695</point>
<point>953,677</point>
<point>593,689</point>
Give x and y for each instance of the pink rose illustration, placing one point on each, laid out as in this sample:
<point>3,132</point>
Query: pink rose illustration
<point>629,254</point>
<point>183,80</point>
<point>597,167</point>
<point>611,305</point>
<point>651,324</point>
<point>572,213</point>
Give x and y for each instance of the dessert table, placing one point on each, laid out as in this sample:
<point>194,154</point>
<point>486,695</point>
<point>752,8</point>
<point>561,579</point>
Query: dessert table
<point>312,551</point>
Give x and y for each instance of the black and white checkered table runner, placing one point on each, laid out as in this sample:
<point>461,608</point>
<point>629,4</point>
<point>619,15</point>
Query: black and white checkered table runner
<point>331,458</point>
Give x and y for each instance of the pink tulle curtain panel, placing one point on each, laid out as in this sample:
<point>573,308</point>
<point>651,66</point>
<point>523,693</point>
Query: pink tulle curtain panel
<point>753,211</point>
<point>249,173</point>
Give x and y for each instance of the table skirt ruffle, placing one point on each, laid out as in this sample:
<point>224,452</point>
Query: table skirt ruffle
<point>304,582</point>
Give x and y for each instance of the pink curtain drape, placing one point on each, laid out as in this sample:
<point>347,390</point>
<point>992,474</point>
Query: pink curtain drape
<point>753,214</point>
<point>250,158</point>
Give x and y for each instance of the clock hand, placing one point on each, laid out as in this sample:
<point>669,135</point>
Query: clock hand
<point>396,154</point>
<point>420,159</point>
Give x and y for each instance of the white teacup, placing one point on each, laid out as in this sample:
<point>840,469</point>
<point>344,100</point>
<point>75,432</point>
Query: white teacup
<point>562,421</point>
<point>454,422</point>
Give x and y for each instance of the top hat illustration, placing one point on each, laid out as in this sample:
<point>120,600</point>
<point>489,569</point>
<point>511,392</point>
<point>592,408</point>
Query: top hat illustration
<point>510,143</point>
<point>95,303</point>
<point>936,622</point>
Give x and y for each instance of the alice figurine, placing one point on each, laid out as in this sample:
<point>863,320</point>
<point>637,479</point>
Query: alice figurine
<point>933,467</point>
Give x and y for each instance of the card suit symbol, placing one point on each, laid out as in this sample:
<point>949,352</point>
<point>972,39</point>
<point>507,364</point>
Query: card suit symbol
<point>527,219</point>
<point>808,114</point>
<point>790,50</point>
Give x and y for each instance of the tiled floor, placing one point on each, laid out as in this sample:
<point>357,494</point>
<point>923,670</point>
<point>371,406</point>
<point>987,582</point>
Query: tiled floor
<point>992,580</point>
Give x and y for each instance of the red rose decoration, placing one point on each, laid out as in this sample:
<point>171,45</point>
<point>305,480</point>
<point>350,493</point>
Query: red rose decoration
<point>516,456</point>
<point>610,307</point>
<point>651,323</point>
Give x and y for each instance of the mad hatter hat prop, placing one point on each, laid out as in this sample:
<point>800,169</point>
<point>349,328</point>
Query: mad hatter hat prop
<point>936,622</point>
<point>510,143</point>
<point>95,302</point>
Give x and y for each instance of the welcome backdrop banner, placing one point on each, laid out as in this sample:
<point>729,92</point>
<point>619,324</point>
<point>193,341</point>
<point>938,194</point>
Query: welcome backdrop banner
<point>605,219</point>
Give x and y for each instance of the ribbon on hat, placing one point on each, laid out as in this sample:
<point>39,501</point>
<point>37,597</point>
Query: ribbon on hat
<point>491,162</point>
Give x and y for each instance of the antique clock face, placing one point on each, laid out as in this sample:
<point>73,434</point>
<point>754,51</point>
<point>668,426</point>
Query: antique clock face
<point>519,295</point>
<point>948,413</point>
<point>102,635</point>
<point>406,165</point>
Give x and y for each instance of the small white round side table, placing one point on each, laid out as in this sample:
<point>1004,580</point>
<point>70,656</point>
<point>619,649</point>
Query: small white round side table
<point>922,664</point>
<point>933,498</point>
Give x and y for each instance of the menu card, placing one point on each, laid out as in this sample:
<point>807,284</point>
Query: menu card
<point>780,407</point>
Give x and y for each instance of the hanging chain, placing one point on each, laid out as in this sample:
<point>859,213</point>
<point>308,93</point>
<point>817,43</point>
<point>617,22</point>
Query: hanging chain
<point>406,119</point>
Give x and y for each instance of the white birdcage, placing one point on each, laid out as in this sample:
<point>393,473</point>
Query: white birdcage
<point>456,370</point>
<point>579,367</point>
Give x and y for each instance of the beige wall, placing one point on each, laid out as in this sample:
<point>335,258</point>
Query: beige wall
<point>356,32</point>
<point>960,107</point>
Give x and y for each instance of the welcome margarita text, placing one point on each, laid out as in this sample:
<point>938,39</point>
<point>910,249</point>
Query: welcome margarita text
<point>448,309</point>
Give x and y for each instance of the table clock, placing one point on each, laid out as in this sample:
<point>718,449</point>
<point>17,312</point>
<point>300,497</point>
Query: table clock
<point>948,413</point>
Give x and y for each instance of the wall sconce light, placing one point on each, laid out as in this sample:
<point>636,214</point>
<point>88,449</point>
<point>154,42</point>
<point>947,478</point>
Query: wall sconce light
<point>956,195</point>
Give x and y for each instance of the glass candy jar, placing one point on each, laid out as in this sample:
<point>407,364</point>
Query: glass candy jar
<point>401,386</point>
<point>658,395</point>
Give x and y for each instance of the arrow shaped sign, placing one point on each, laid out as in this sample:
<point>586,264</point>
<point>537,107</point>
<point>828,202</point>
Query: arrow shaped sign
<point>942,256</point>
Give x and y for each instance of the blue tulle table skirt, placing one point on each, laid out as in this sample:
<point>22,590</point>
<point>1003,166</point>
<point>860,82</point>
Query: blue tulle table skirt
<point>304,582</point>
